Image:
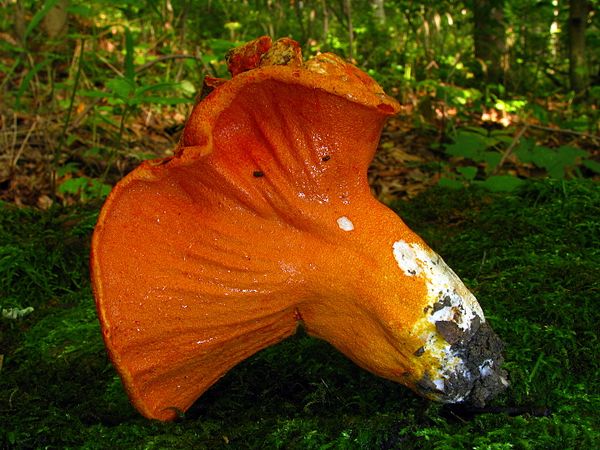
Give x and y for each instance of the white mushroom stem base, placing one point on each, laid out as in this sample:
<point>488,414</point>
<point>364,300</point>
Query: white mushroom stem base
<point>462,353</point>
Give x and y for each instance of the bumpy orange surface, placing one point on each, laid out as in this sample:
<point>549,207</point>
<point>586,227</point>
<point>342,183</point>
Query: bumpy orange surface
<point>261,221</point>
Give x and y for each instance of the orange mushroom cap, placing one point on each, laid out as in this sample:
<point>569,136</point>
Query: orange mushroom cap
<point>264,219</point>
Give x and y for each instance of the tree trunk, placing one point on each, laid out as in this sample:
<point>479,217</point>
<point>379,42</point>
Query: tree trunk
<point>379,11</point>
<point>325,22</point>
<point>489,37</point>
<point>578,72</point>
<point>19,20</point>
<point>348,13</point>
<point>55,22</point>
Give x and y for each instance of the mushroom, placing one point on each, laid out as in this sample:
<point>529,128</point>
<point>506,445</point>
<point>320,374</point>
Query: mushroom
<point>262,221</point>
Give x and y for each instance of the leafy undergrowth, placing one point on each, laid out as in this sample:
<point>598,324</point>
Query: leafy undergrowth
<point>531,258</point>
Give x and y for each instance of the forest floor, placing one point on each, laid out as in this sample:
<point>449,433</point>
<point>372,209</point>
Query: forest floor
<point>531,257</point>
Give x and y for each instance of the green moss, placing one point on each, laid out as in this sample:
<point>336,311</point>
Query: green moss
<point>531,258</point>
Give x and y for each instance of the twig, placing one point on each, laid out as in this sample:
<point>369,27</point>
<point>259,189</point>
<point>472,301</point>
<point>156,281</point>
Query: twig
<point>16,157</point>
<point>564,131</point>
<point>10,398</point>
<point>465,412</point>
<point>510,149</point>
<point>483,258</point>
<point>15,127</point>
<point>110,66</point>
<point>61,139</point>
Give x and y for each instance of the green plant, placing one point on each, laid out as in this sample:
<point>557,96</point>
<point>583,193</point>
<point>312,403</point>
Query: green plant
<point>479,155</point>
<point>126,92</point>
<point>561,162</point>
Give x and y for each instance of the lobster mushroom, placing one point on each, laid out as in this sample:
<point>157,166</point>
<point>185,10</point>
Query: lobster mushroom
<point>262,221</point>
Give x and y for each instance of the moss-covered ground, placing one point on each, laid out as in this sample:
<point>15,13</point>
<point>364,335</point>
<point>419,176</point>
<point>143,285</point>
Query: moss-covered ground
<point>532,259</point>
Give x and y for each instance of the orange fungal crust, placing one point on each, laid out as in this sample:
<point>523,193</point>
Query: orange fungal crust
<point>262,220</point>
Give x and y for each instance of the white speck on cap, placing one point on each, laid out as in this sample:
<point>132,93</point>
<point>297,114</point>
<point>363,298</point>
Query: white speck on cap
<point>345,224</point>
